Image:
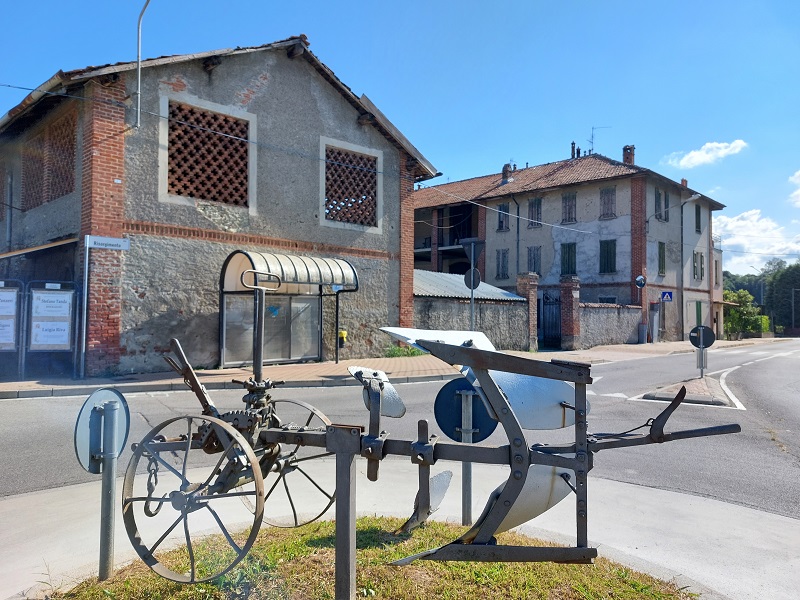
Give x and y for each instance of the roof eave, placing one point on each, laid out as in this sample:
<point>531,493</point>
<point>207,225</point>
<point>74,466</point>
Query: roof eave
<point>55,82</point>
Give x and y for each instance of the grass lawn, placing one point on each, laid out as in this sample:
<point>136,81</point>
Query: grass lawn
<point>298,564</point>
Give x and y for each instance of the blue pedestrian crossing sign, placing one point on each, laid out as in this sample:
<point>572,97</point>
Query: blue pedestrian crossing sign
<point>666,296</point>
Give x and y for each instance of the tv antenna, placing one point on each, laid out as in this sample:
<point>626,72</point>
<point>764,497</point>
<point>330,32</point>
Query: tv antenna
<point>591,141</point>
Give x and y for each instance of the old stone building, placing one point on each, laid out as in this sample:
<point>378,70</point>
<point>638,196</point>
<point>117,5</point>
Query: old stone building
<point>258,149</point>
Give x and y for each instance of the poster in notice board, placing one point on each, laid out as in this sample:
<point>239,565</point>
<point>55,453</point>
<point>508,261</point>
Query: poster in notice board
<point>8,318</point>
<point>51,319</point>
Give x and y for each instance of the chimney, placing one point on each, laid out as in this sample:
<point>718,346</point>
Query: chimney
<point>573,150</point>
<point>628,153</point>
<point>507,173</point>
<point>684,183</point>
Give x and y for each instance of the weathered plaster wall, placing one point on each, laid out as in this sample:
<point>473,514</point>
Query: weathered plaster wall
<point>170,288</point>
<point>504,323</point>
<point>170,281</point>
<point>603,324</point>
<point>586,233</point>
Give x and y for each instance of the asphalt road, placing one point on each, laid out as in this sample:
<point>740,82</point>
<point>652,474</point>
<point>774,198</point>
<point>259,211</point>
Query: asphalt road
<point>757,468</point>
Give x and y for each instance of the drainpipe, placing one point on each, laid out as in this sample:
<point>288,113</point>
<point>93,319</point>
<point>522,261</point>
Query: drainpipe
<point>139,67</point>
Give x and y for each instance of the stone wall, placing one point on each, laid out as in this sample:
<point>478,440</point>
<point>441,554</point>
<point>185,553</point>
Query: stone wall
<point>603,324</point>
<point>504,323</point>
<point>170,288</point>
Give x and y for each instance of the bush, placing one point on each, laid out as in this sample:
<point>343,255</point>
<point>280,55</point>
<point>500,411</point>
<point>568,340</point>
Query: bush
<point>395,351</point>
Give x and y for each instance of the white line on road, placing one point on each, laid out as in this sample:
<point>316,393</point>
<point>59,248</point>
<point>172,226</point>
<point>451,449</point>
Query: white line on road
<point>728,391</point>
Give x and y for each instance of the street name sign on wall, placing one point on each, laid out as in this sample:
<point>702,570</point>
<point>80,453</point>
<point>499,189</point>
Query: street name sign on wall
<point>107,243</point>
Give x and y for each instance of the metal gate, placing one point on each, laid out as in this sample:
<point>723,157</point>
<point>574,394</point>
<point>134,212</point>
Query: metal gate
<point>551,320</point>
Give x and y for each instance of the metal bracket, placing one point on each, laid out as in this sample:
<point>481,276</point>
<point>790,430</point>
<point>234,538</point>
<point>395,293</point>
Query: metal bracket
<point>372,450</point>
<point>422,451</point>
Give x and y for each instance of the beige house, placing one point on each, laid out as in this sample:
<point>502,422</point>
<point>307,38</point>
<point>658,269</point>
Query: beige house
<point>603,221</point>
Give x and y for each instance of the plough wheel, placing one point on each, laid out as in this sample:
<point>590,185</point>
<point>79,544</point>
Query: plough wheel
<point>299,488</point>
<point>183,484</point>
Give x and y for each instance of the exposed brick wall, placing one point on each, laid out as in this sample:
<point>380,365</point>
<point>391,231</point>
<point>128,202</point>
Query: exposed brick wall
<point>570,313</point>
<point>482,236</point>
<point>639,238</point>
<point>436,262</point>
<point>48,161</point>
<point>406,283</point>
<point>528,288</point>
<point>102,212</point>
<point>248,239</point>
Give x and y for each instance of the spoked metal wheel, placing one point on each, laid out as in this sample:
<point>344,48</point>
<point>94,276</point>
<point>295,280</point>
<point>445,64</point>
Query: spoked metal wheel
<point>300,488</point>
<point>194,470</point>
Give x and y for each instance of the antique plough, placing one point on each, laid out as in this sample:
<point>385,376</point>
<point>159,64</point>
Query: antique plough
<point>218,473</point>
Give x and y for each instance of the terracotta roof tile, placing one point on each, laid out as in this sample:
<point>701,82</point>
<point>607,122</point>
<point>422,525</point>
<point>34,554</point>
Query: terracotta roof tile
<point>593,167</point>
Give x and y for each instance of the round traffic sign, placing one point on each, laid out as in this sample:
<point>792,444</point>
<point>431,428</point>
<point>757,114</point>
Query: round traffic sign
<point>89,432</point>
<point>447,410</point>
<point>703,334</point>
<point>472,279</point>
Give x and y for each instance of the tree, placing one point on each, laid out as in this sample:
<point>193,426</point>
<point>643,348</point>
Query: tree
<point>780,296</point>
<point>774,265</point>
<point>741,315</point>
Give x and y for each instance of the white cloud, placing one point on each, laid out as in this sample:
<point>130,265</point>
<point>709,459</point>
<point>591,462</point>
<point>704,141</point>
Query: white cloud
<point>794,197</point>
<point>750,240</point>
<point>710,153</point>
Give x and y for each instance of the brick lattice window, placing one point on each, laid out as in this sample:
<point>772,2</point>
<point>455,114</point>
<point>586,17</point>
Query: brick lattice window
<point>208,155</point>
<point>48,163</point>
<point>3,194</point>
<point>61,157</point>
<point>33,174</point>
<point>351,187</point>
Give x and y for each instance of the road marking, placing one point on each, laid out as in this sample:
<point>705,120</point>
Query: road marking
<point>731,396</point>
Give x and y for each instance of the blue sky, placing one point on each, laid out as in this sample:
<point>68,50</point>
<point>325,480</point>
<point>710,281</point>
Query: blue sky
<point>709,90</point>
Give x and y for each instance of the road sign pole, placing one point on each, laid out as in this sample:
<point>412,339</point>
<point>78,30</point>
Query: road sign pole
<point>472,289</point>
<point>109,488</point>
<point>466,467</point>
